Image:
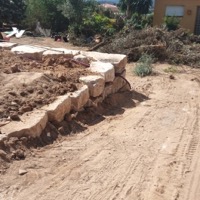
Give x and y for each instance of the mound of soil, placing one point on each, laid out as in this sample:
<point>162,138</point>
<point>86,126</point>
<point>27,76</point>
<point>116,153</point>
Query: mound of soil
<point>27,84</point>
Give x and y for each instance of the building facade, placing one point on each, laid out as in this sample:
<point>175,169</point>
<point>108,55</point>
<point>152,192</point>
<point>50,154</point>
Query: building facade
<point>187,10</point>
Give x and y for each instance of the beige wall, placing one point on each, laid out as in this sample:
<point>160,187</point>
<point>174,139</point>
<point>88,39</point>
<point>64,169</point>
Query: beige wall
<point>188,21</point>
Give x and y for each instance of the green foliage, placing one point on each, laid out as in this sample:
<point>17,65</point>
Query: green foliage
<point>98,23</point>
<point>80,14</point>
<point>140,21</point>
<point>172,23</point>
<point>135,6</point>
<point>47,13</point>
<point>11,11</point>
<point>144,65</point>
<point>72,9</point>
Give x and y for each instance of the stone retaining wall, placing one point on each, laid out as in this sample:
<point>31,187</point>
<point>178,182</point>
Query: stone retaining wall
<point>111,79</point>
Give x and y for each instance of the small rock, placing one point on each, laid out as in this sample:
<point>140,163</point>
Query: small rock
<point>17,101</point>
<point>26,109</point>
<point>30,90</point>
<point>40,91</point>
<point>23,94</point>
<point>3,154</point>
<point>33,64</point>
<point>15,68</point>
<point>171,77</point>
<point>49,61</point>
<point>12,93</point>
<point>38,101</point>
<point>44,85</point>
<point>22,172</point>
<point>18,155</point>
<point>61,77</point>
<point>13,103</point>
<point>24,139</point>
<point>73,87</point>
<point>15,117</point>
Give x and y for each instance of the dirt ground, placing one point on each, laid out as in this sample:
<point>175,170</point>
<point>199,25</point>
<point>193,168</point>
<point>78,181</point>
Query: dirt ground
<point>146,146</point>
<point>48,42</point>
<point>27,84</point>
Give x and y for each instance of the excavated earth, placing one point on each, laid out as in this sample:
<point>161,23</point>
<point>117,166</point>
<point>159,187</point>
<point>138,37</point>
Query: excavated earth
<point>27,84</point>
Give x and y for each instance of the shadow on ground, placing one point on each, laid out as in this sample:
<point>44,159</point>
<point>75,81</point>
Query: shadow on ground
<point>116,104</point>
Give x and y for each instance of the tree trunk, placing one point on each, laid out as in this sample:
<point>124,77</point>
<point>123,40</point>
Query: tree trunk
<point>128,12</point>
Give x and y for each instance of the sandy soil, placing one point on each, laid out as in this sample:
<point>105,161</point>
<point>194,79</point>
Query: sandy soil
<point>42,41</point>
<point>145,149</point>
<point>26,84</point>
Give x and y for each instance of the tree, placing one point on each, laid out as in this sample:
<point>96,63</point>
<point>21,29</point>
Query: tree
<point>72,9</point>
<point>135,6</point>
<point>76,11</point>
<point>12,11</point>
<point>47,13</point>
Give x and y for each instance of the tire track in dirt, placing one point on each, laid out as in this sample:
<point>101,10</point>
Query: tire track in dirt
<point>149,152</point>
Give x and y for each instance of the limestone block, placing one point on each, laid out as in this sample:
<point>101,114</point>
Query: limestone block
<point>108,90</point>
<point>95,84</point>
<point>82,59</point>
<point>31,124</point>
<point>57,110</point>
<point>29,51</point>
<point>79,98</point>
<point>105,69</point>
<point>61,51</point>
<point>123,73</point>
<point>119,61</point>
<point>118,84</point>
<point>7,45</point>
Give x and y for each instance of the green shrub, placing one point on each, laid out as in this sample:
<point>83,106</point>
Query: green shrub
<point>144,65</point>
<point>98,23</point>
<point>140,21</point>
<point>172,23</point>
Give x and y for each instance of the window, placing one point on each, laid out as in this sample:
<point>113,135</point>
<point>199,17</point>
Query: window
<point>177,11</point>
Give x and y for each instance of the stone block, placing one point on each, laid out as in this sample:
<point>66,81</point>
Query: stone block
<point>118,84</point>
<point>29,51</point>
<point>95,84</point>
<point>108,90</point>
<point>119,61</point>
<point>105,69</point>
<point>123,74</point>
<point>7,45</point>
<point>61,51</point>
<point>31,124</point>
<point>81,59</point>
<point>79,98</point>
<point>57,110</point>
